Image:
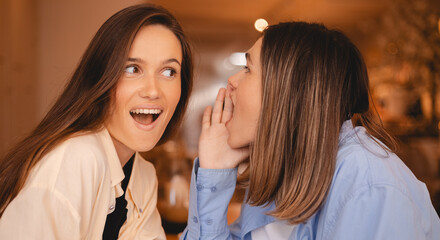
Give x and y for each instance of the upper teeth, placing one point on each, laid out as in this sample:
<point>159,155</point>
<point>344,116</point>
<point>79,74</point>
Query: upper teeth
<point>146,111</point>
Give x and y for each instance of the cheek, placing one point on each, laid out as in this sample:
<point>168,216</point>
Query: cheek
<point>116,108</point>
<point>249,111</point>
<point>249,104</point>
<point>244,124</point>
<point>173,95</point>
<point>178,94</point>
<point>123,92</point>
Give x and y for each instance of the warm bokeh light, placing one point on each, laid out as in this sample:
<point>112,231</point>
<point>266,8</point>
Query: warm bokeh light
<point>261,24</point>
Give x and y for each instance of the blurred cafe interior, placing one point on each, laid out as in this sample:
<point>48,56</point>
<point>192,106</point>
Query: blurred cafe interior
<point>42,41</point>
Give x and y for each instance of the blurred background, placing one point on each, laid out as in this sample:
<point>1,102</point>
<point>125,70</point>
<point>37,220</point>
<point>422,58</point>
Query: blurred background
<point>41,41</point>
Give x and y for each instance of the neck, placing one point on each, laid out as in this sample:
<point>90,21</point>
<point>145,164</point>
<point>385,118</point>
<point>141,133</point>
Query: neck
<point>124,153</point>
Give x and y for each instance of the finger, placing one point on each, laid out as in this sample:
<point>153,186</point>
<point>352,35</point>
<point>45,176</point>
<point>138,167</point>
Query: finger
<point>218,106</point>
<point>206,120</point>
<point>229,107</point>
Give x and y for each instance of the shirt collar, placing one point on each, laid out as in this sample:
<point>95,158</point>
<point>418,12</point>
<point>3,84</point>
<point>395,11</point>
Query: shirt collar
<point>116,171</point>
<point>253,217</point>
<point>346,129</point>
<point>140,183</point>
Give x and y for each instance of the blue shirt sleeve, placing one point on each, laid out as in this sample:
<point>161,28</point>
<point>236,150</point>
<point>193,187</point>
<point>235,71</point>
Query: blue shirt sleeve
<point>378,212</point>
<point>211,191</point>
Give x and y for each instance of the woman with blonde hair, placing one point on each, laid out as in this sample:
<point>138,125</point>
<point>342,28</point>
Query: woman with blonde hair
<point>78,174</point>
<point>320,164</point>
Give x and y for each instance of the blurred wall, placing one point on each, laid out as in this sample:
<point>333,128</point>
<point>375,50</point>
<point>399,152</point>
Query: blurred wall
<point>64,31</point>
<point>18,69</point>
<point>41,44</point>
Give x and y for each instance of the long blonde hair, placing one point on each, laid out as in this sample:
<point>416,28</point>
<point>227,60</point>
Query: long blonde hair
<point>313,80</point>
<point>85,101</point>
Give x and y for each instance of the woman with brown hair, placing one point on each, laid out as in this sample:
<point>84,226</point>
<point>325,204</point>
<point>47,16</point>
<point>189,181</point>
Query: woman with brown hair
<point>78,174</point>
<point>321,166</point>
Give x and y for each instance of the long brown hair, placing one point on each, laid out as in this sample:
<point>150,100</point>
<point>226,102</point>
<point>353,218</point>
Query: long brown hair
<point>313,80</point>
<point>85,102</point>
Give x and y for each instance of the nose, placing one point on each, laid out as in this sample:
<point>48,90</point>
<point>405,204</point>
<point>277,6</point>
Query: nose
<point>233,80</point>
<point>149,88</point>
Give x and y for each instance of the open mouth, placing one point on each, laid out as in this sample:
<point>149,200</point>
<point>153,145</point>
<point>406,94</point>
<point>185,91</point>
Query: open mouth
<point>145,116</point>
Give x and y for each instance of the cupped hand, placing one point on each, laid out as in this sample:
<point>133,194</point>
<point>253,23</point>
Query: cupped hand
<point>214,151</point>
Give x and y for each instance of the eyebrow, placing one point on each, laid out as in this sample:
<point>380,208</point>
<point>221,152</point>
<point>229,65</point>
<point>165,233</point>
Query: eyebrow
<point>135,60</point>
<point>171,60</point>
<point>248,58</point>
<point>164,62</point>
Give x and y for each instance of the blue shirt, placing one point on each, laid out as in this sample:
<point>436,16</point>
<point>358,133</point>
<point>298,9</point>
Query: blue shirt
<point>373,195</point>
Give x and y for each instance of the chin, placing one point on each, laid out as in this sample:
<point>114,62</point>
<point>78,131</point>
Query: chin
<point>144,148</point>
<point>145,145</point>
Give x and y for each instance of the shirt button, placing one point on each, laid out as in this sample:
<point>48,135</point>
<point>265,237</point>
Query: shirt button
<point>111,207</point>
<point>140,210</point>
<point>199,187</point>
<point>213,189</point>
<point>209,221</point>
<point>195,220</point>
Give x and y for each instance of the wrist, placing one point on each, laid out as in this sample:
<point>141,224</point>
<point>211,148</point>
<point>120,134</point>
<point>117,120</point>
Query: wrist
<point>215,164</point>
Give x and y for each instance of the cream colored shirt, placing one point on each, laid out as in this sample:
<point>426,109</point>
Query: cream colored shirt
<point>72,189</point>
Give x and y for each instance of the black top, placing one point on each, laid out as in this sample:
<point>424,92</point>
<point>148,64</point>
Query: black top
<point>119,215</point>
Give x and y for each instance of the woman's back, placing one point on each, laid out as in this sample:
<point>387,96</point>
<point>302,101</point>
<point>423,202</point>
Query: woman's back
<point>372,192</point>
<point>372,189</point>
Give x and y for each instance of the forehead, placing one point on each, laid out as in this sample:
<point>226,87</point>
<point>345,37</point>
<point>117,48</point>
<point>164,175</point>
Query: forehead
<point>254,51</point>
<point>156,41</point>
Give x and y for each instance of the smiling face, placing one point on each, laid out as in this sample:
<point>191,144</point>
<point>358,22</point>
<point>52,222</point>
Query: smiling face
<point>246,94</point>
<point>147,92</point>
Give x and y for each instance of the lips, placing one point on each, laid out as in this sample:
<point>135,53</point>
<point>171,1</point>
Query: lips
<point>145,116</point>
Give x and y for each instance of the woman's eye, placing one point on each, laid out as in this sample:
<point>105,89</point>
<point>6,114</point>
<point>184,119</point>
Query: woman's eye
<point>169,72</point>
<point>131,69</point>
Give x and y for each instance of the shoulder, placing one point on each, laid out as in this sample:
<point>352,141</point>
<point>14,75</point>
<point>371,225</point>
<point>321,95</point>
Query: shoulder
<point>363,162</point>
<point>75,158</point>
<point>88,145</point>
<point>367,173</point>
<point>74,173</point>
<point>81,151</point>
